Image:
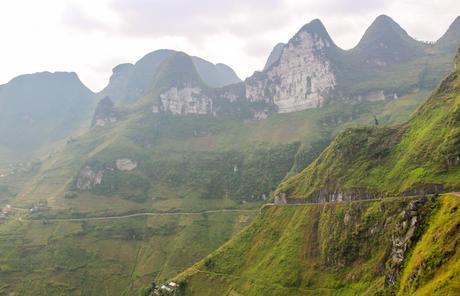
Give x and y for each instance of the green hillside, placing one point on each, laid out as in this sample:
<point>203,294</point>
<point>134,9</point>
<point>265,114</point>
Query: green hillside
<point>198,156</point>
<point>184,164</point>
<point>182,161</point>
<point>391,246</point>
<point>106,257</point>
<point>420,155</point>
<point>350,248</point>
<point>144,192</point>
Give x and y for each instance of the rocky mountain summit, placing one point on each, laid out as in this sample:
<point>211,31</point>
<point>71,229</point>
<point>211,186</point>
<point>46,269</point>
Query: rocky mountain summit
<point>130,82</point>
<point>403,244</point>
<point>385,43</point>
<point>416,158</point>
<point>301,78</point>
<point>310,71</point>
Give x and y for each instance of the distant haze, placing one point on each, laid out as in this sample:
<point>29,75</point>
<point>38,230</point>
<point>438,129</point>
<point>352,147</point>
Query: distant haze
<point>91,37</point>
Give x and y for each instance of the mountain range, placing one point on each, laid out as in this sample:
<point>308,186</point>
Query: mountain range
<point>176,155</point>
<point>307,72</point>
<point>404,244</point>
<point>130,82</point>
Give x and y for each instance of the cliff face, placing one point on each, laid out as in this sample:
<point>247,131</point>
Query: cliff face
<point>307,72</point>
<point>311,71</point>
<point>180,88</point>
<point>188,99</point>
<point>302,77</point>
<point>335,249</point>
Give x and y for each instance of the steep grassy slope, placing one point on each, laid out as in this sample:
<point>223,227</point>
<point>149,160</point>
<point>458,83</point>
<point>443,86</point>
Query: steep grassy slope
<point>106,257</point>
<point>184,163</point>
<point>422,154</point>
<point>350,248</point>
<point>190,163</point>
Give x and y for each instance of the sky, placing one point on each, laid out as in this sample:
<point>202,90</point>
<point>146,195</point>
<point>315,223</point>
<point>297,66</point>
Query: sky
<point>91,37</point>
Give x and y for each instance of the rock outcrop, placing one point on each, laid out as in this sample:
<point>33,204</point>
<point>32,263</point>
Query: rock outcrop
<point>125,164</point>
<point>187,100</point>
<point>105,113</point>
<point>307,72</point>
<point>302,78</point>
<point>88,178</point>
<point>409,222</point>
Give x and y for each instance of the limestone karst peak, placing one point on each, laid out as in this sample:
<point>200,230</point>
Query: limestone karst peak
<point>383,29</point>
<point>385,42</point>
<point>316,28</point>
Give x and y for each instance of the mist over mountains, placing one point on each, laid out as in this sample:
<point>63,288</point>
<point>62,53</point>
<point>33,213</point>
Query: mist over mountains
<point>330,171</point>
<point>307,72</point>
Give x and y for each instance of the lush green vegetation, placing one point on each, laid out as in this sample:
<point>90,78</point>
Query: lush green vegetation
<point>106,257</point>
<point>195,163</point>
<point>198,155</point>
<point>392,246</point>
<point>177,157</point>
<point>420,154</point>
<point>191,163</point>
<point>335,249</point>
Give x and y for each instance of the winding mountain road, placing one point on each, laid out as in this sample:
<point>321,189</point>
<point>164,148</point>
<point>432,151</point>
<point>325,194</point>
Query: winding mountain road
<point>144,214</point>
<point>179,213</point>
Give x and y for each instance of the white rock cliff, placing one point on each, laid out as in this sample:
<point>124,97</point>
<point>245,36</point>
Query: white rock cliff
<point>301,78</point>
<point>186,100</point>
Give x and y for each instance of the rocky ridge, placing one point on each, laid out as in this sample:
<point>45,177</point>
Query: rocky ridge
<point>311,71</point>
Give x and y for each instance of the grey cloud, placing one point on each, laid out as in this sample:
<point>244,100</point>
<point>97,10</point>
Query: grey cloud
<point>258,47</point>
<point>351,7</point>
<point>74,17</point>
<point>181,17</point>
<point>196,20</point>
<point>254,23</point>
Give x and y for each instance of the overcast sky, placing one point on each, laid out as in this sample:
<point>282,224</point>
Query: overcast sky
<point>90,37</point>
